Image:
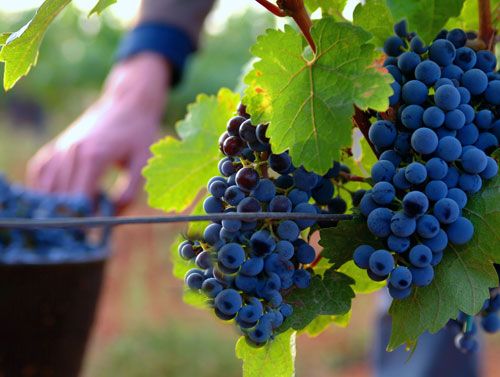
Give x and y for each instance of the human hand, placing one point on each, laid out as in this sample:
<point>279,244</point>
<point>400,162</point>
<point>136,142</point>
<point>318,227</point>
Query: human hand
<point>116,130</point>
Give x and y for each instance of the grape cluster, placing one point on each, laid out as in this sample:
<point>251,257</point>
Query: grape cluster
<point>49,244</point>
<point>434,148</point>
<point>489,319</point>
<point>246,268</point>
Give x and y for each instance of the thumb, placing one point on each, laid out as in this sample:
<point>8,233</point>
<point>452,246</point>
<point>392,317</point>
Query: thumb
<point>130,183</point>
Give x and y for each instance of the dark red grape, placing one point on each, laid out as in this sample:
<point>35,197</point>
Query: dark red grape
<point>233,125</point>
<point>222,139</point>
<point>261,133</point>
<point>247,179</point>
<point>242,111</point>
<point>247,132</point>
<point>232,146</point>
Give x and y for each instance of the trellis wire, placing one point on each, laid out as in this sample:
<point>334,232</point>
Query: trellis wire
<point>111,221</point>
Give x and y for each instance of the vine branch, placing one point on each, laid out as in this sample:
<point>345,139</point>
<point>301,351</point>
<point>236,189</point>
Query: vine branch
<point>361,120</point>
<point>295,9</point>
<point>486,31</point>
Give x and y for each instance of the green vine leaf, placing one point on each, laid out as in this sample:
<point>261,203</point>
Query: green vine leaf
<point>101,6</point>
<point>467,19</point>
<point>331,7</point>
<point>275,359</point>
<point>21,48</point>
<point>462,279</point>
<point>4,37</point>
<point>339,242</point>
<point>309,103</point>
<point>426,17</point>
<point>323,322</point>
<point>381,26</point>
<point>327,295</point>
<point>363,284</point>
<point>179,169</point>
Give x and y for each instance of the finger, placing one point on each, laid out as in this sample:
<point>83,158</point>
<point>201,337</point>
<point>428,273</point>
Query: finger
<point>36,166</point>
<point>67,170</point>
<point>86,176</point>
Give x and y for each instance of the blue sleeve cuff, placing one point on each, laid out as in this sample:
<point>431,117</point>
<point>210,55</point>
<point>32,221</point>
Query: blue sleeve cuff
<point>169,41</point>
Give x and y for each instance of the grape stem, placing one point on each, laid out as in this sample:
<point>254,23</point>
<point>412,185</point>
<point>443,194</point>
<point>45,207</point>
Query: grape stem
<point>361,120</point>
<point>352,177</point>
<point>295,9</point>
<point>468,323</point>
<point>486,30</point>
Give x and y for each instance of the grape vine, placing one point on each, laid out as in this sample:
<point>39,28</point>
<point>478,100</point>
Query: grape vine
<point>419,181</point>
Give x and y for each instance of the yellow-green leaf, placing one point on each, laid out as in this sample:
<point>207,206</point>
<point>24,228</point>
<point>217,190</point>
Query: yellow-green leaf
<point>309,103</point>
<point>100,6</point>
<point>275,359</point>
<point>20,51</point>
<point>179,169</point>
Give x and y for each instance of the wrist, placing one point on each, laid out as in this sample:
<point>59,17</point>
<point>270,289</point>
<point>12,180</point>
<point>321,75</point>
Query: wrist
<point>143,80</point>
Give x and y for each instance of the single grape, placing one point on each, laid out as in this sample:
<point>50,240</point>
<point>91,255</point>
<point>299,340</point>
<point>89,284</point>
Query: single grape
<point>379,222</point>
<point>262,243</point>
<point>414,92</point>
<point>491,169</point>
<point>428,72</point>
<point>280,163</point>
<point>382,133</point>
<point>399,294</point>
<point>398,244</point>
<point>460,232</point>
<point>486,61</point>
<point>280,203</point>
<point>408,61</point>
<point>305,253</point>
<point>416,173</point>
<point>470,183</point>
<point>323,192</point>
<point>382,171</point>
<point>447,97</point>
<point>433,117</point>
<point>288,230</point>
<point>393,46</point>
<point>391,156</point>
<point>418,46</point>
<point>228,301</point>
<point>247,179</point>
<point>436,190</point>
<point>437,168</point>
<point>411,116</point>
<point>424,141</point>
<point>301,278</point>
<point>400,277</point>
<point>422,277</point>
<point>265,190</point>
<point>381,262</point>
<point>403,225</point>
<point>492,93</point>
<point>428,226</point>
<point>454,119</point>
<point>383,193</point>
<point>437,243</point>
<point>252,266</point>
<point>337,205</point>
<point>449,149</point>
<point>442,52</point>
<point>420,256</point>
<point>247,132</point>
<point>457,37</point>
<point>452,72</point>
<point>475,81</point>
<point>362,256</point>
<point>474,160</point>
<point>465,58</point>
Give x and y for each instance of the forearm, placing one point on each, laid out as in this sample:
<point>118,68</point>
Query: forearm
<point>168,28</point>
<point>188,15</point>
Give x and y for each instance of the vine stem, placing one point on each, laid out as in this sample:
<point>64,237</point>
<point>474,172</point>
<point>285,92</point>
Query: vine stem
<point>352,177</point>
<point>361,120</point>
<point>92,222</point>
<point>486,30</point>
<point>295,9</point>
